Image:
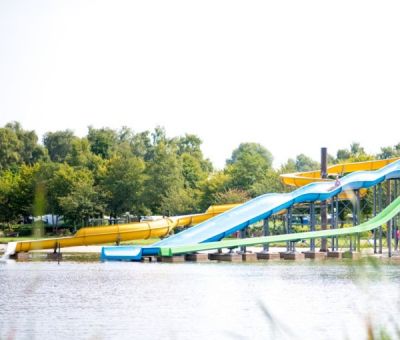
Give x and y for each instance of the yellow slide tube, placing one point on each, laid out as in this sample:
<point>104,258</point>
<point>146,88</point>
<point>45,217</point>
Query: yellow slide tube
<point>123,232</point>
<point>299,179</point>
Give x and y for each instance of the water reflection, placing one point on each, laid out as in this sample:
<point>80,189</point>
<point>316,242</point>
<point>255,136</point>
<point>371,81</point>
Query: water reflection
<point>178,301</point>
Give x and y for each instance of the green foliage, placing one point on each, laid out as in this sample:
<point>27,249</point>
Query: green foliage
<point>305,163</point>
<point>122,184</point>
<point>80,201</point>
<point>177,201</point>
<point>102,141</point>
<point>118,171</point>
<point>29,151</point>
<point>355,154</point>
<point>164,174</point>
<point>389,152</point>
<point>59,144</point>
<point>9,183</point>
<point>253,149</point>
<point>248,165</point>
<point>216,182</point>
<point>269,182</point>
<point>231,196</point>
<point>18,147</point>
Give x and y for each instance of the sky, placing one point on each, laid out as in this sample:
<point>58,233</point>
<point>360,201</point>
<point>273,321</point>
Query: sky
<point>291,75</point>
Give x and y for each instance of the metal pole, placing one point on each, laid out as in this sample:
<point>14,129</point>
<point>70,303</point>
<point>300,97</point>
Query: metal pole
<point>324,174</point>
<point>389,223</point>
<point>337,221</point>
<point>266,233</point>
<point>395,224</point>
<point>243,233</point>
<point>374,212</point>
<point>380,209</point>
<point>358,219</point>
<point>312,225</point>
<point>333,221</point>
<point>354,220</point>
<point>289,227</point>
<point>358,207</point>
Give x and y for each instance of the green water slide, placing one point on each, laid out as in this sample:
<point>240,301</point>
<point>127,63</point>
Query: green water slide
<point>386,215</point>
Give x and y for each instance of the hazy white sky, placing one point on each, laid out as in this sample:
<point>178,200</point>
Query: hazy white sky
<point>291,75</point>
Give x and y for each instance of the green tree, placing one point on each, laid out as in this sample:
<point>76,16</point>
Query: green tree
<point>17,189</point>
<point>355,154</point>
<point>102,141</point>
<point>231,196</point>
<point>253,149</point>
<point>80,201</point>
<point>9,182</point>
<point>305,163</point>
<point>29,149</point>
<point>18,146</point>
<point>343,154</point>
<point>59,144</point>
<point>270,182</point>
<point>141,145</point>
<point>10,146</point>
<point>217,182</point>
<point>288,167</point>
<point>176,201</point>
<point>164,174</point>
<point>191,145</point>
<point>123,184</point>
<point>248,165</point>
<point>389,152</point>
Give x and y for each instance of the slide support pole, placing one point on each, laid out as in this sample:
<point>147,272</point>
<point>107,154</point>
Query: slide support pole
<point>266,233</point>
<point>312,225</point>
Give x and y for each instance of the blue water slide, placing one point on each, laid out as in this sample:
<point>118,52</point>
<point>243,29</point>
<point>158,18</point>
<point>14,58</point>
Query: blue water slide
<point>264,206</point>
<point>257,209</point>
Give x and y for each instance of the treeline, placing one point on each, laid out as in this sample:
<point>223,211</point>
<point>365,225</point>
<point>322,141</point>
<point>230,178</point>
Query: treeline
<point>112,172</point>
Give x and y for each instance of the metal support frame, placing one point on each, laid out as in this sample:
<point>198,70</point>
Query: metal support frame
<point>389,223</point>
<point>358,217</point>
<point>374,213</point>
<point>395,219</point>
<point>324,174</point>
<point>289,227</point>
<point>333,221</point>
<point>243,233</point>
<point>379,210</point>
<point>312,225</point>
<point>266,233</point>
<point>337,221</point>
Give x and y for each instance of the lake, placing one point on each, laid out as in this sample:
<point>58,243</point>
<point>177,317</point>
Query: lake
<point>118,300</point>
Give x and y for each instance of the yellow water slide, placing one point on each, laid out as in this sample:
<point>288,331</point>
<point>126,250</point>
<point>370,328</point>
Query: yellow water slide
<point>299,179</point>
<point>123,232</point>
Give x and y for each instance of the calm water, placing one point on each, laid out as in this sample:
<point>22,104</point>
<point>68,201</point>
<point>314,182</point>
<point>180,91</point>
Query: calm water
<point>329,300</point>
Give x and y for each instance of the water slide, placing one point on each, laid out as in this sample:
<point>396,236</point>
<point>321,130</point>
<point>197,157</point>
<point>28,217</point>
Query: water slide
<point>299,179</point>
<point>386,215</point>
<point>124,232</point>
<point>225,224</point>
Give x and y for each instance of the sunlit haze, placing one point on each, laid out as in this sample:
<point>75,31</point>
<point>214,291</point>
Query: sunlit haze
<point>291,75</point>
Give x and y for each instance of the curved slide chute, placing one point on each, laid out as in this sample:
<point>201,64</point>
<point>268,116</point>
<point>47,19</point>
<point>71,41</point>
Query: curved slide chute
<point>386,215</point>
<point>299,179</point>
<point>123,232</point>
<point>266,205</point>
